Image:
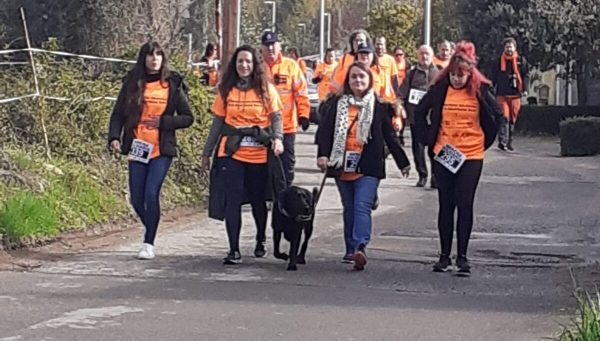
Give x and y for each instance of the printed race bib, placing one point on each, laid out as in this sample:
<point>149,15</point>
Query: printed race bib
<point>451,158</point>
<point>140,151</point>
<point>351,162</point>
<point>415,95</point>
<point>250,141</point>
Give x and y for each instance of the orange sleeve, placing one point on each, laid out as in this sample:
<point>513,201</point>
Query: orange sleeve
<point>319,70</point>
<point>300,90</point>
<point>302,65</point>
<point>218,107</point>
<point>274,104</point>
<point>387,92</point>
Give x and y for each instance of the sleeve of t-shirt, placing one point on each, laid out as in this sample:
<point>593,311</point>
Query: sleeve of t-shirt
<point>274,104</point>
<point>218,107</point>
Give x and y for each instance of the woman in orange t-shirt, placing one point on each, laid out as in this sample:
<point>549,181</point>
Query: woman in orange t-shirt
<point>354,128</point>
<point>247,121</point>
<point>464,123</point>
<point>152,104</point>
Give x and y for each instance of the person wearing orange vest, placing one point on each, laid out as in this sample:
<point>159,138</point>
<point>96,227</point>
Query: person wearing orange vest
<point>387,62</point>
<point>290,83</point>
<point>247,121</point>
<point>151,106</point>
<point>295,55</point>
<point>324,73</point>
<point>445,51</point>
<point>339,74</point>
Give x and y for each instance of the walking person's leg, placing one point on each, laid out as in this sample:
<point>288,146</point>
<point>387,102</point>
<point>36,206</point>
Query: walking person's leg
<point>288,158</point>
<point>446,183</point>
<point>346,190</point>
<point>504,128</point>
<point>515,107</point>
<point>466,185</point>
<point>157,172</point>
<point>234,192</point>
<point>138,173</point>
<point>256,177</point>
<point>365,189</point>
<point>418,150</point>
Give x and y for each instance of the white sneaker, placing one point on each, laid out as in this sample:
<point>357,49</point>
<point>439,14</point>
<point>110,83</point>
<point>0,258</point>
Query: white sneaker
<point>146,252</point>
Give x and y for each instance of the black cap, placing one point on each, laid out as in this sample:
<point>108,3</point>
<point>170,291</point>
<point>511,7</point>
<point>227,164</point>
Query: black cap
<point>365,48</point>
<point>268,38</point>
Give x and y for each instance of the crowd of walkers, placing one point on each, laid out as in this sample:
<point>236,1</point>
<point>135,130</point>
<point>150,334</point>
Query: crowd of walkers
<point>367,98</point>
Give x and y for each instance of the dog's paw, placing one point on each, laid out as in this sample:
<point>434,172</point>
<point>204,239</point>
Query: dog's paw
<point>301,261</point>
<point>292,268</point>
<point>282,256</point>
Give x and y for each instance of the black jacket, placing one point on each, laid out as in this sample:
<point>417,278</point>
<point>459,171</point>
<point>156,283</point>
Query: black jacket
<point>490,114</point>
<point>372,160</point>
<point>416,78</point>
<point>502,80</point>
<point>169,122</point>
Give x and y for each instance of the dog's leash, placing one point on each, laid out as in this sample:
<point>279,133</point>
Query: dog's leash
<point>321,188</point>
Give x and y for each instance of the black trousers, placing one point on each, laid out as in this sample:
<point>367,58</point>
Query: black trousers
<point>288,158</point>
<point>418,149</point>
<point>244,181</point>
<point>456,191</point>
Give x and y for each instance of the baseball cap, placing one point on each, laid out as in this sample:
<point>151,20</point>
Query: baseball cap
<point>268,38</point>
<point>365,48</point>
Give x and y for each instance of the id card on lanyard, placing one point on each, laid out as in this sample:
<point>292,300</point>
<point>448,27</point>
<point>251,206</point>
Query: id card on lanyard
<point>140,151</point>
<point>451,158</point>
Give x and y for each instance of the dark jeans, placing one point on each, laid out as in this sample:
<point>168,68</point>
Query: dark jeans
<point>505,133</point>
<point>244,181</point>
<point>418,150</point>
<point>288,158</point>
<point>145,182</point>
<point>456,191</point>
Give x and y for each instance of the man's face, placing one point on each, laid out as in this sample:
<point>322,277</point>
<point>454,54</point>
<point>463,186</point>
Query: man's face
<point>270,52</point>
<point>330,57</point>
<point>424,57</point>
<point>380,46</point>
<point>509,48</point>
<point>445,51</point>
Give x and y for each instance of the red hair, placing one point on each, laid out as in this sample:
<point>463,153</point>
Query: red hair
<point>465,59</point>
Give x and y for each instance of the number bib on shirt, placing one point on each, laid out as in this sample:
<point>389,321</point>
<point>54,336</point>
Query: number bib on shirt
<point>451,158</point>
<point>415,95</point>
<point>250,141</point>
<point>140,151</point>
<point>351,162</point>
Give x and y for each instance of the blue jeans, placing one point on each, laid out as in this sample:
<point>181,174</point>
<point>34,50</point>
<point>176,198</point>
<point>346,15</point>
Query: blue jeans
<point>357,200</point>
<point>145,182</point>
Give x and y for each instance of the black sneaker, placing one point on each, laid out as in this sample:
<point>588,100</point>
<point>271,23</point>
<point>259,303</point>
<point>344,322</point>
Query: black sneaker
<point>443,264</point>
<point>260,251</point>
<point>510,147</point>
<point>463,268</point>
<point>232,258</point>
<point>501,147</point>
<point>433,182</point>
<point>422,182</point>
<point>348,258</point>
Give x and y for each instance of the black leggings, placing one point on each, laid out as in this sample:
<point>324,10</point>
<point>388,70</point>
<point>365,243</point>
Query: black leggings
<point>456,191</point>
<point>244,181</point>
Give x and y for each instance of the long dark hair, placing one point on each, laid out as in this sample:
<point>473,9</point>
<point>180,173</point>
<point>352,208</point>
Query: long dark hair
<point>258,80</point>
<point>363,67</point>
<point>352,38</point>
<point>136,81</point>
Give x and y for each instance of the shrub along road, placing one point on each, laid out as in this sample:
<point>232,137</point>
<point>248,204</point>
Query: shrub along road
<point>536,223</point>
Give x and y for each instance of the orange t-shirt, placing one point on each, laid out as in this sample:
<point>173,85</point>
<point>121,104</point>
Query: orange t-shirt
<point>246,109</point>
<point>155,100</point>
<point>325,72</point>
<point>340,72</point>
<point>401,71</point>
<point>388,64</point>
<point>382,84</point>
<point>352,143</point>
<point>441,64</point>
<point>302,65</point>
<point>460,125</point>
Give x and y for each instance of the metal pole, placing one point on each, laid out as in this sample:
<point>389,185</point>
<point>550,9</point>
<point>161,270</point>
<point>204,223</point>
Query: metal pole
<point>274,14</point>
<point>273,11</point>
<point>238,23</point>
<point>321,29</point>
<point>427,23</point>
<point>328,29</point>
<point>190,61</point>
<point>35,79</point>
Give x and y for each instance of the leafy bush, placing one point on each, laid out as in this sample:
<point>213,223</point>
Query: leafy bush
<point>580,136</point>
<point>586,327</point>
<point>25,216</point>
<point>546,119</point>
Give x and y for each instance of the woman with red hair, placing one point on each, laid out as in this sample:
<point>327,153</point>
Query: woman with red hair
<point>464,123</point>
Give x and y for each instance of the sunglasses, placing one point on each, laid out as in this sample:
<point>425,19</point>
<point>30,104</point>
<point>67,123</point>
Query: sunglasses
<point>399,54</point>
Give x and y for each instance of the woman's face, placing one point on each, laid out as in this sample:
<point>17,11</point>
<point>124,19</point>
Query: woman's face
<point>359,81</point>
<point>154,62</point>
<point>365,58</point>
<point>459,78</point>
<point>243,64</point>
<point>359,39</point>
<point>509,49</point>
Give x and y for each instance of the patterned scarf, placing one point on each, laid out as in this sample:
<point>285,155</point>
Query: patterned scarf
<point>365,118</point>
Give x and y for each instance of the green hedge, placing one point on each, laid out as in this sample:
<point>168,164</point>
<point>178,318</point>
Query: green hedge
<point>580,136</point>
<point>546,119</point>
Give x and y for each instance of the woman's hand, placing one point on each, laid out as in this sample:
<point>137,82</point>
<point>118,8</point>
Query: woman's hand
<point>405,171</point>
<point>277,147</point>
<point>151,123</point>
<point>115,146</point>
<point>322,163</point>
<point>205,163</point>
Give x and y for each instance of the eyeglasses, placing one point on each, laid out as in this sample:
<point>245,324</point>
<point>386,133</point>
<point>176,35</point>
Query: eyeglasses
<point>399,54</point>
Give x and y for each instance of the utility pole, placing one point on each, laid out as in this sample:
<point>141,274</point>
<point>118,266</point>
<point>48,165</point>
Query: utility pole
<point>230,29</point>
<point>321,29</point>
<point>218,28</point>
<point>427,23</point>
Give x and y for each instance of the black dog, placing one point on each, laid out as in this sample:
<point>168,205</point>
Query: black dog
<point>293,213</point>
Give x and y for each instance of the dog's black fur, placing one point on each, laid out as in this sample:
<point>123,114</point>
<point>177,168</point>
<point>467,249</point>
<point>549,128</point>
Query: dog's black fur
<point>293,213</point>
